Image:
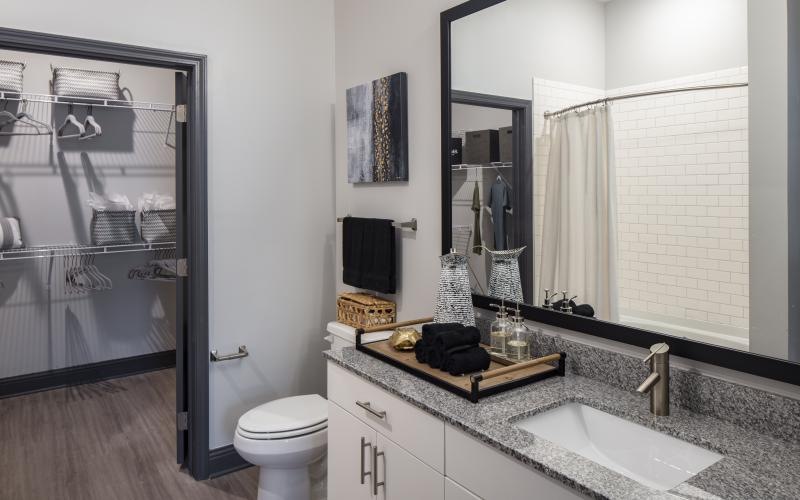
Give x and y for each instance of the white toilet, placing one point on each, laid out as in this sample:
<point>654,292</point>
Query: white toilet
<point>287,438</point>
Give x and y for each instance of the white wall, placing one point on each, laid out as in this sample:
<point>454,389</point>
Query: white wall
<point>374,39</point>
<point>499,50</point>
<point>673,38</point>
<point>271,238</point>
<point>46,182</point>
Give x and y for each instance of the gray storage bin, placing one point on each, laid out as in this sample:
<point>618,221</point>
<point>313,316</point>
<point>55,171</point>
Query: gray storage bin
<point>11,76</point>
<point>506,144</point>
<point>70,82</point>
<point>113,227</point>
<point>159,226</point>
<point>481,146</point>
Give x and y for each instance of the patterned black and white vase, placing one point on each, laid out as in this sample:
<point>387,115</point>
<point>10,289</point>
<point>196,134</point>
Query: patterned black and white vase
<point>504,279</point>
<point>454,296</point>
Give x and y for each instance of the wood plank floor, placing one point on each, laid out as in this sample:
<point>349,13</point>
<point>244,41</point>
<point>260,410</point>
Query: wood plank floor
<point>112,440</point>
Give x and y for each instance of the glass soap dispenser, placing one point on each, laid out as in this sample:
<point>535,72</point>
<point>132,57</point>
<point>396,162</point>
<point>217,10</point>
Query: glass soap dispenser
<point>500,330</point>
<point>518,346</point>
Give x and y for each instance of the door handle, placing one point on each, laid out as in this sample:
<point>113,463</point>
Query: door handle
<point>375,483</point>
<point>364,444</point>
<point>216,357</point>
<point>368,406</point>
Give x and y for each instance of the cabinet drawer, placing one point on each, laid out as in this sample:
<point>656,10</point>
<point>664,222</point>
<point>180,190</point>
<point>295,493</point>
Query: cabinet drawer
<point>468,461</point>
<point>419,433</point>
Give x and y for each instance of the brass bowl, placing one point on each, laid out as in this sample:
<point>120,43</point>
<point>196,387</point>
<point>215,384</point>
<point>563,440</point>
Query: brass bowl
<point>404,338</point>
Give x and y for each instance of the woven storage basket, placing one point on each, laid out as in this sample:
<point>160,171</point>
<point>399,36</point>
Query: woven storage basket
<point>113,227</point>
<point>69,82</point>
<point>11,76</point>
<point>361,310</point>
<point>158,226</point>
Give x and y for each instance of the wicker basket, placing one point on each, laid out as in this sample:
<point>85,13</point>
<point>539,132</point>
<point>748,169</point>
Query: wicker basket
<point>361,310</point>
<point>113,227</point>
<point>158,226</point>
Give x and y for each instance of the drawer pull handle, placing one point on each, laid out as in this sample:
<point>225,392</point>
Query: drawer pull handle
<point>364,444</point>
<point>368,406</point>
<point>375,483</point>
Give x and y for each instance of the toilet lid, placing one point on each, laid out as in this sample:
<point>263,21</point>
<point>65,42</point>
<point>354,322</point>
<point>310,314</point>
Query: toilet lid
<point>285,415</point>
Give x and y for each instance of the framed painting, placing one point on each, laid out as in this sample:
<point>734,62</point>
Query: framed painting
<point>377,130</point>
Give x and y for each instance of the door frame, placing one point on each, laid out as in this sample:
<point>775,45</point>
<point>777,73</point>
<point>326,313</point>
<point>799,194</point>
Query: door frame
<point>521,175</point>
<point>195,314</point>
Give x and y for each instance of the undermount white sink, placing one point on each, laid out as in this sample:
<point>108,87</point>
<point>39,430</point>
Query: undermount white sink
<point>644,455</point>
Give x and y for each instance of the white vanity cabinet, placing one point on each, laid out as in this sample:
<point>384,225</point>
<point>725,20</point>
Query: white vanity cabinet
<point>383,448</point>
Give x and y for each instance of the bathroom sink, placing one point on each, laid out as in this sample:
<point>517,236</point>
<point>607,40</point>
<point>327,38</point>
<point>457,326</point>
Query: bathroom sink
<point>644,455</point>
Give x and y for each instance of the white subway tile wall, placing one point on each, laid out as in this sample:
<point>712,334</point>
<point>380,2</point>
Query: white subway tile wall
<point>682,179</point>
<point>682,184</point>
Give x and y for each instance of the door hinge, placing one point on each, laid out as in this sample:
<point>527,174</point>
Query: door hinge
<point>180,113</point>
<point>183,268</point>
<point>183,421</point>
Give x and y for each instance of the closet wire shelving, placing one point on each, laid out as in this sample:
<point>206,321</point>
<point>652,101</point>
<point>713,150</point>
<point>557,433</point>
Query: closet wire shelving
<point>49,251</point>
<point>494,164</point>
<point>86,101</point>
<point>65,250</point>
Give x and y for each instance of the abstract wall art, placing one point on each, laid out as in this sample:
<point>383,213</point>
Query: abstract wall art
<point>377,131</point>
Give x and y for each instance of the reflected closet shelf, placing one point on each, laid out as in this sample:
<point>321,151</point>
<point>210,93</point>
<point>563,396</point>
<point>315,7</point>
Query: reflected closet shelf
<point>494,164</point>
<point>40,252</point>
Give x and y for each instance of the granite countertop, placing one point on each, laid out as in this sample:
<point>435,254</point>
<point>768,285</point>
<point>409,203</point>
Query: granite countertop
<point>754,466</point>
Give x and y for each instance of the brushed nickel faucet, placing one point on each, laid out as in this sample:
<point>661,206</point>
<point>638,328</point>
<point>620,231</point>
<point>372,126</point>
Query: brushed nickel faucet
<point>657,383</point>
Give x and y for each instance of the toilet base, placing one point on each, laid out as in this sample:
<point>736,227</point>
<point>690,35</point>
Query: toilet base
<point>303,483</point>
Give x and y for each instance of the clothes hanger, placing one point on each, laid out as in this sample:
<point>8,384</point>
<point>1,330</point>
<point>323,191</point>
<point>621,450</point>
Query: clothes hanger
<point>25,118</point>
<point>97,130</point>
<point>71,120</point>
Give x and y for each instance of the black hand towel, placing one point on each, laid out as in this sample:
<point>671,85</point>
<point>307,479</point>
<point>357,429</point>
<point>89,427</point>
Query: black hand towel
<point>584,310</point>
<point>468,335</point>
<point>368,254</point>
<point>432,330</point>
<point>468,361</point>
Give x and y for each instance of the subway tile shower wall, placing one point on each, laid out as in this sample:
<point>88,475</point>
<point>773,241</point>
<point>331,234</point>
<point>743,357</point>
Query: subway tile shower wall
<point>682,197</point>
<point>682,178</point>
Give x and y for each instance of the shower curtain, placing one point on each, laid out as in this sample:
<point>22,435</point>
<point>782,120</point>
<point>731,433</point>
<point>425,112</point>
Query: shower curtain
<point>579,235</point>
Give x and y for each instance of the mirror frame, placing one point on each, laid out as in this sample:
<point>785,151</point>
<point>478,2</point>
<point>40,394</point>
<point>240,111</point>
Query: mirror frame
<point>755,364</point>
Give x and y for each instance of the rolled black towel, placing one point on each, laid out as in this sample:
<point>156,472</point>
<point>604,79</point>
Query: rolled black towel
<point>468,361</point>
<point>467,335</point>
<point>432,330</point>
<point>421,351</point>
<point>447,359</point>
<point>435,355</point>
<point>584,310</point>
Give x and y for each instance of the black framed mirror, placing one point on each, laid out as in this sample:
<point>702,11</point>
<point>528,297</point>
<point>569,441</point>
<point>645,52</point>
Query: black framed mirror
<point>656,181</point>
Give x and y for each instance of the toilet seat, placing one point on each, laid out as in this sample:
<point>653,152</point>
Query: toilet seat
<point>285,418</point>
<point>283,435</point>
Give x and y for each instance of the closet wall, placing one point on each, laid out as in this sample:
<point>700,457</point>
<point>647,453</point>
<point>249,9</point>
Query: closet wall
<point>45,182</point>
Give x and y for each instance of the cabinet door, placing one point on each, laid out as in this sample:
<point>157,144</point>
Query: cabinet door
<point>404,476</point>
<point>350,466</point>
<point>454,491</point>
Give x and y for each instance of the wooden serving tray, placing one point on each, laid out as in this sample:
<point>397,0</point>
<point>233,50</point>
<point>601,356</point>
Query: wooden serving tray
<point>502,375</point>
